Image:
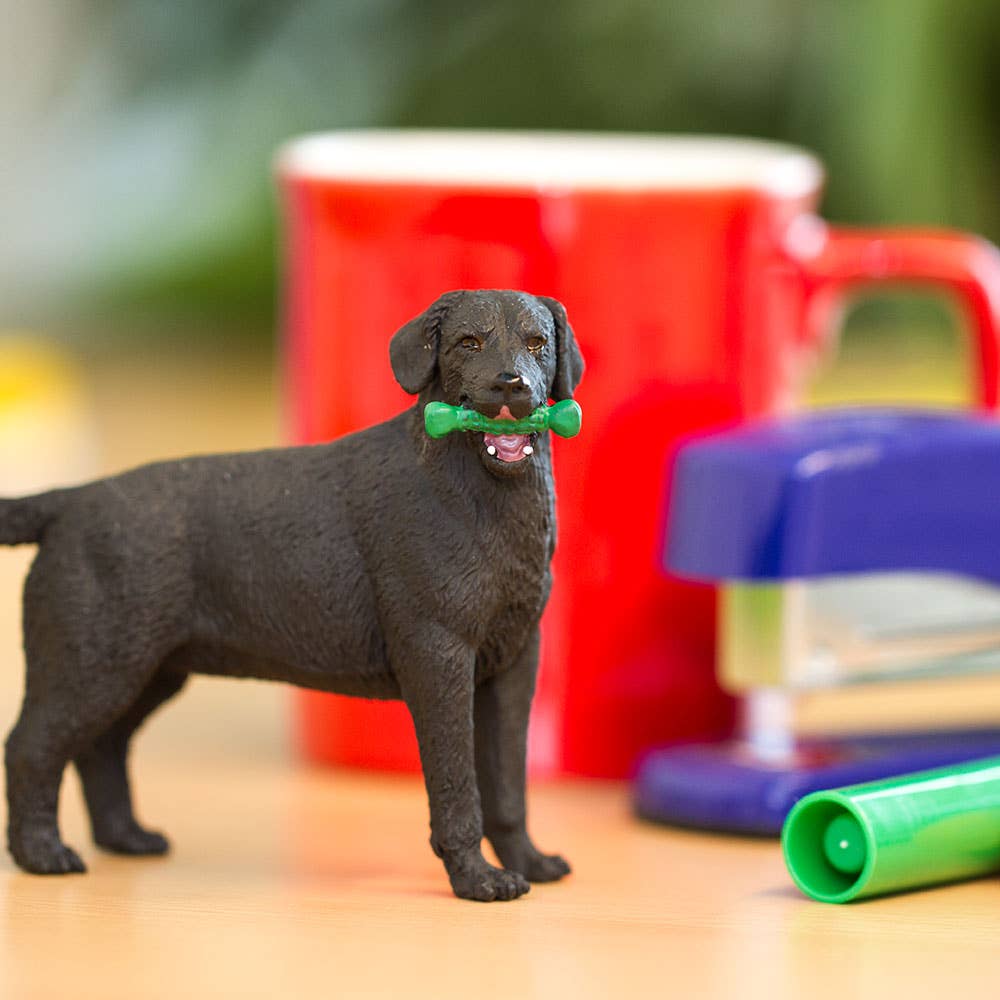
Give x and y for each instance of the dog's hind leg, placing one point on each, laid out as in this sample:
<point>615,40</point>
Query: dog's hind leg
<point>36,756</point>
<point>103,772</point>
<point>59,720</point>
<point>74,691</point>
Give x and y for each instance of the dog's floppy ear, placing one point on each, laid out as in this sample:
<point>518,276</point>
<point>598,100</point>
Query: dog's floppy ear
<point>413,349</point>
<point>569,360</point>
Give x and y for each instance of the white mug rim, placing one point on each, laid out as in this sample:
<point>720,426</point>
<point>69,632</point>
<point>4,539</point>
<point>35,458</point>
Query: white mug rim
<point>552,161</point>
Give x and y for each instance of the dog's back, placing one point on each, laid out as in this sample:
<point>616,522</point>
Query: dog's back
<point>251,562</point>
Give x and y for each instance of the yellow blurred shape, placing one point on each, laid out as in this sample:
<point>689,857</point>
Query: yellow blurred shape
<point>32,371</point>
<point>47,433</point>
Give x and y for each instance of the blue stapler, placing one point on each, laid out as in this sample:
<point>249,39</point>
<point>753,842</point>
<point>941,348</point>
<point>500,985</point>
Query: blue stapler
<point>849,547</point>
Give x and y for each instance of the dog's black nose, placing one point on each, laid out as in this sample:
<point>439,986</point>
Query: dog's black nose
<point>511,385</point>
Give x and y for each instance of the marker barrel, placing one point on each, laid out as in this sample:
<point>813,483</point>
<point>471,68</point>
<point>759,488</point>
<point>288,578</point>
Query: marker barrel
<point>899,833</point>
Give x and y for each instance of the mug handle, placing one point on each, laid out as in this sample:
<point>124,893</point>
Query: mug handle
<point>834,261</point>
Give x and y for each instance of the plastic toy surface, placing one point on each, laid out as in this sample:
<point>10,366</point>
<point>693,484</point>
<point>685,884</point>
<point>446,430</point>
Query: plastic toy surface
<point>901,833</point>
<point>730,787</point>
<point>840,492</point>
<point>849,546</point>
<point>311,565</point>
<point>864,546</point>
<point>564,419</point>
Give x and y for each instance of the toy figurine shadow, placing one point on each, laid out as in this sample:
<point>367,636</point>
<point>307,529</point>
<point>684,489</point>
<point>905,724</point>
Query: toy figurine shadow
<point>386,564</point>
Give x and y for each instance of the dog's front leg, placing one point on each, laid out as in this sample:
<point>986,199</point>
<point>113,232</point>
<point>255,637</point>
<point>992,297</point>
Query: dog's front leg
<point>437,683</point>
<point>502,706</point>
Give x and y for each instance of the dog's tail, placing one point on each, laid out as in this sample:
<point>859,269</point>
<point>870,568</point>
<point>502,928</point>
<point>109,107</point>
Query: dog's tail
<point>24,519</point>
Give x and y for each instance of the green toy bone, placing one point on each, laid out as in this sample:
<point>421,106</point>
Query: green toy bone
<point>562,418</point>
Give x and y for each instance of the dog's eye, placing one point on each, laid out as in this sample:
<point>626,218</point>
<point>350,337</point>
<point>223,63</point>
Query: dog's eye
<point>536,343</point>
<point>472,343</point>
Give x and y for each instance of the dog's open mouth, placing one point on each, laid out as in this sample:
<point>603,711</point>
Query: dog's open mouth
<point>509,447</point>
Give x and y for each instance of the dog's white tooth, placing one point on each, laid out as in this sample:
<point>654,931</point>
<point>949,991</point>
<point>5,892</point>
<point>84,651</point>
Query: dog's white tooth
<point>491,450</point>
<point>528,450</point>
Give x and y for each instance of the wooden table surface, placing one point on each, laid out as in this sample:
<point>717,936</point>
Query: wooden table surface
<point>287,881</point>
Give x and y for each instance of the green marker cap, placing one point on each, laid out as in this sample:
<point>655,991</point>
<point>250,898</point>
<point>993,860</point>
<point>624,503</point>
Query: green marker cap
<point>899,833</point>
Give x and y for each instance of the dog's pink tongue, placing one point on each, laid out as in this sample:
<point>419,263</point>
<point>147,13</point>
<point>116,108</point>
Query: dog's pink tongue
<point>510,447</point>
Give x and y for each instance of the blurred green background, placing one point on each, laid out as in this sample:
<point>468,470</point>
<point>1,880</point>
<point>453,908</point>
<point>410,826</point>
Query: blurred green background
<point>137,135</point>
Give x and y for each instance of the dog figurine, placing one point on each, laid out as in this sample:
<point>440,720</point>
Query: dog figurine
<point>385,564</point>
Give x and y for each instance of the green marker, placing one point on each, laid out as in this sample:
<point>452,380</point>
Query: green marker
<point>562,418</point>
<point>899,833</point>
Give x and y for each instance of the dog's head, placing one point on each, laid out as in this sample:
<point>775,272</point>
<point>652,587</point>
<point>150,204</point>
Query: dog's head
<point>501,353</point>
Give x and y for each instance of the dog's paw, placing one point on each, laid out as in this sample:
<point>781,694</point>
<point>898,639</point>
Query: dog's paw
<point>489,885</point>
<point>544,867</point>
<point>131,839</point>
<point>477,879</point>
<point>519,854</point>
<point>46,855</point>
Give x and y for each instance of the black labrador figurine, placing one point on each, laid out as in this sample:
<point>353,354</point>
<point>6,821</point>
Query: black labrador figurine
<point>385,564</point>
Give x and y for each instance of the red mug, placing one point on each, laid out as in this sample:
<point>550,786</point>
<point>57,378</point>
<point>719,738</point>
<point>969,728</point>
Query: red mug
<point>700,285</point>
